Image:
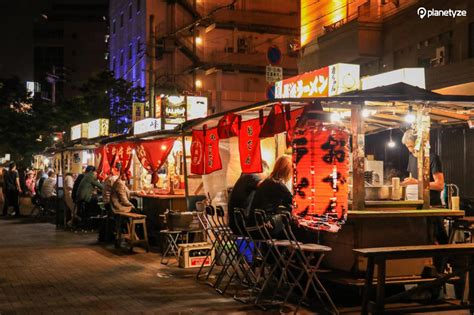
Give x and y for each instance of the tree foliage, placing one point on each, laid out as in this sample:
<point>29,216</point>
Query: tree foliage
<point>28,124</point>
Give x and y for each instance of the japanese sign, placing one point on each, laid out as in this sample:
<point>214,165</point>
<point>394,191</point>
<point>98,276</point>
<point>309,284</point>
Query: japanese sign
<point>79,131</point>
<point>146,125</point>
<point>327,81</point>
<point>98,128</point>
<point>274,74</point>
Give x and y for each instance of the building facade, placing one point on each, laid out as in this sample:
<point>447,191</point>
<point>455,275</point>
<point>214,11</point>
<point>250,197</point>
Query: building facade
<point>215,48</point>
<point>384,35</point>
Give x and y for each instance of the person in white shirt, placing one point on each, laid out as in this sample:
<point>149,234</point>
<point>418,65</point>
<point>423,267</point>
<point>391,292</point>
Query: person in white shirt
<point>48,190</point>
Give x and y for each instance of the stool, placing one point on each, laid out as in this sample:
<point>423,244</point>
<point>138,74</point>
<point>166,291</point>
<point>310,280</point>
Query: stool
<point>172,238</point>
<point>130,236</point>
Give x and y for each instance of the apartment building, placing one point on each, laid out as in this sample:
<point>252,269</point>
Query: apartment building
<point>216,48</point>
<point>384,35</point>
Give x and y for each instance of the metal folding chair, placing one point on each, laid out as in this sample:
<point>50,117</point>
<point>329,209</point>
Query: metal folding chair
<point>172,238</point>
<point>306,258</point>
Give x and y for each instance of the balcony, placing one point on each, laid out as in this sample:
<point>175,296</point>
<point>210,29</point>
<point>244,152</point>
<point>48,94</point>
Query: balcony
<point>353,42</point>
<point>247,59</point>
<point>270,23</point>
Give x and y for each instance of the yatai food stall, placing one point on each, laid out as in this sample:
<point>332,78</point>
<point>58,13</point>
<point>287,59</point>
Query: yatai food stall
<point>335,114</point>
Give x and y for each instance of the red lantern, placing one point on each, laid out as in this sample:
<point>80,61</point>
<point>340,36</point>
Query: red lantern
<point>320,158</point>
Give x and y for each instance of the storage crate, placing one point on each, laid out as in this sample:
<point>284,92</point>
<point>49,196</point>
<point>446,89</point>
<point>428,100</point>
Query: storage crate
<point>182,221</point>
<point>193,254</point>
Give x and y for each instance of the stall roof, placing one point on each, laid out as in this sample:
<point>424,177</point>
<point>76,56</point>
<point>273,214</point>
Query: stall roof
<point>390,103</point>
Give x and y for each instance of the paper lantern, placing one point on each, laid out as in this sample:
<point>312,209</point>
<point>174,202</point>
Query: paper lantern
<point>320,160</point>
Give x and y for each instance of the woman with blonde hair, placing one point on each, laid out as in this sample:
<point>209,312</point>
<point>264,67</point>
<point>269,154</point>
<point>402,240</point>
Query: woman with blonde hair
<point>272,194</point>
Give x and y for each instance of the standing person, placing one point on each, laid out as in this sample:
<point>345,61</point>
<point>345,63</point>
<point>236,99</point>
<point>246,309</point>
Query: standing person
<point>68,185</point>
<point>436,169</point>
<point>243,193</point>
<point>12,190</point>
<point>273,193</point>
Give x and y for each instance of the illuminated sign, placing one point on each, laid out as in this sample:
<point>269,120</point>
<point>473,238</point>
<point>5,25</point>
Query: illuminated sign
<point>196,107</point>
<point>138,111</point>
<point>98,128</point>
<point>412,76</point>
<point>328,81</point>
<point>79,131</point>
<point>146,125</point>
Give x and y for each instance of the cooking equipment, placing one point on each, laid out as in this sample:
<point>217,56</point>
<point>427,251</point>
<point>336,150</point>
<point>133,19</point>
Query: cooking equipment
<point>380,192</point>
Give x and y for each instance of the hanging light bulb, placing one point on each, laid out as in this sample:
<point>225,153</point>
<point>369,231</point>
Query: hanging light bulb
<point>335,117</point>
<point>410,117</point>
<point>365,113</point>
<point>391,143</point>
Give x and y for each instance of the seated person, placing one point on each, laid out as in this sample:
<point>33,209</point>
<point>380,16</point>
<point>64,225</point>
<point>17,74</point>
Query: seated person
<point>243,192</point>
<point>120,196</point>
<point>48,189</point>
<point>86,191</point>
<point>272,194</point>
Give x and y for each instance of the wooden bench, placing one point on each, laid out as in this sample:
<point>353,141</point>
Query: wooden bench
<point>130,236</point>
<point>379,256</point>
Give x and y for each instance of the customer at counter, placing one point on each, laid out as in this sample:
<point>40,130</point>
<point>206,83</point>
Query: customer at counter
<point>273,194</point>
<point>120,196</point>
<point>243,193</point>
<point>108,184</point>
<point>85,192</point>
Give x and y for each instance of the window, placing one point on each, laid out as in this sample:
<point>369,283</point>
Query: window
<point>121,57</point>
<point>138,46</point>
<point>471,40</point>
<point>138,5</point>
<point>113,27</point>
<point>130,11</point>
<point>121,20</point>
<point>130,51</point>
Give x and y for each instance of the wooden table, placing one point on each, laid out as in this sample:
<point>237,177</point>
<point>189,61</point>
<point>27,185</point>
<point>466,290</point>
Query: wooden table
<point>382,228</point>
<point>380,256</point>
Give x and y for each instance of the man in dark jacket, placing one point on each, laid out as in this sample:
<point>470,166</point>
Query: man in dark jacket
<point>12,190</point>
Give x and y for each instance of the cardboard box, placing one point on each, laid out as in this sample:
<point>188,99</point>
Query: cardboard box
<point>194,254</point>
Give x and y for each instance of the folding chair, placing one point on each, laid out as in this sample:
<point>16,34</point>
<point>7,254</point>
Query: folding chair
<point>171,239</point>
<point>306,258</point>
<point>233,264</point>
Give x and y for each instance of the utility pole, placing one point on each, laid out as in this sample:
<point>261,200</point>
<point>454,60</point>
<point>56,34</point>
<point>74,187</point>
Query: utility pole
<point>151,73</point>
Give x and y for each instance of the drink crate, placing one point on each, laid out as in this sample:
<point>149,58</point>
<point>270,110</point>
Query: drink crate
<point>193,254</point>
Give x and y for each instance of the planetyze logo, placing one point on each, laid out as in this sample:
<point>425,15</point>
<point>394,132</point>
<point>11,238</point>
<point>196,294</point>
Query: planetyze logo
<point>423,12</point>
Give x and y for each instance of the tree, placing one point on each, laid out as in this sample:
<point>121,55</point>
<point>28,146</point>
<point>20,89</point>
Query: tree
<point>26,122</point>
<point>104,96</point>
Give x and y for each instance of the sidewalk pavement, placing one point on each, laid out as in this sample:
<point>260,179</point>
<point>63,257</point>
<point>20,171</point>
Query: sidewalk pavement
<point>47,271</point>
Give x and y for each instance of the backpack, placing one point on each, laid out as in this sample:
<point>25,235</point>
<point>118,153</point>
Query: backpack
<point>75,187</point>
